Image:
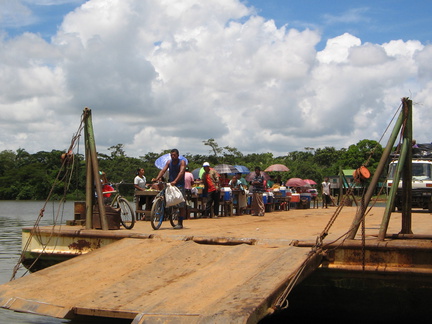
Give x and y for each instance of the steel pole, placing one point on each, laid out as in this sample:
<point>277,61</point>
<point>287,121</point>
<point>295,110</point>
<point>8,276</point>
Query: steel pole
<point>407,171</point>
<point>89,187</point>
<point>94,169</point>
<point>386,217</point>
<point>382,163</point>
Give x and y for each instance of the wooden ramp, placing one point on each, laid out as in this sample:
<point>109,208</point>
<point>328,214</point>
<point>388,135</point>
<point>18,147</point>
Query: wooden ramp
<point>155,281</point>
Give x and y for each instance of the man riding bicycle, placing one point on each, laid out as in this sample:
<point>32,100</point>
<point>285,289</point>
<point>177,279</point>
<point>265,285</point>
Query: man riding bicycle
<point>177,168</point>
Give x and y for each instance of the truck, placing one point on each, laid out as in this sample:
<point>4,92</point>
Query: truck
<point>421,178</point>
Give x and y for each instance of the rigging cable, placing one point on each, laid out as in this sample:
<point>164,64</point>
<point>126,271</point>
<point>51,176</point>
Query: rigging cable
<point>68,157</point>
<point>282,301</point>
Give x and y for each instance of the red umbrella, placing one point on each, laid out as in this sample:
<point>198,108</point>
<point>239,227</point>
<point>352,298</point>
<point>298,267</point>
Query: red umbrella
<point>311,182</point>
<point>277,167</point>
<point>252,175</point>
<point>296,182</point>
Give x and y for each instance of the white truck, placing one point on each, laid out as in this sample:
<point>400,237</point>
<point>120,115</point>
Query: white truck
<point>421,178</point>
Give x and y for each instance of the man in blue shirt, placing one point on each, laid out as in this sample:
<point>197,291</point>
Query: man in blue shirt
<point>177,168</point>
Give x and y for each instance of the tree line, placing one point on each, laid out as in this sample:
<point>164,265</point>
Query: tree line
<point>25,176</point>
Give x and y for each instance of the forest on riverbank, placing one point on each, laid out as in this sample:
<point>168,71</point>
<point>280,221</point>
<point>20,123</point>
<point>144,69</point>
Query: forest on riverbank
<point>26,176</point>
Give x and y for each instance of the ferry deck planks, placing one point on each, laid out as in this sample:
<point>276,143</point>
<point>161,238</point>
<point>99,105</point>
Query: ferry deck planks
<point>162,280</point>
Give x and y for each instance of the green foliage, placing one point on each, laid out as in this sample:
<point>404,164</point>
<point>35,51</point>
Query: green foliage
<point>364,152</point>
<point>33,176</point>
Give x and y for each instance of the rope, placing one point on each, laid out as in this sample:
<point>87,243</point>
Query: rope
<point>382,136</point>
<point>282,300</point>
<point>35,232</point>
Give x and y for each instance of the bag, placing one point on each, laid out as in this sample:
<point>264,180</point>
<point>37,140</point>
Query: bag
<point>173,195</point>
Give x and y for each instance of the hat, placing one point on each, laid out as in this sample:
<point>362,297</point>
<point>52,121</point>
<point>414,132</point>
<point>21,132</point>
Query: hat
<point>206,164</point>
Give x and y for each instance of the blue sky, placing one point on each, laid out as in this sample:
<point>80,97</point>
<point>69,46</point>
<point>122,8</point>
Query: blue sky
<point>258,75</point>
<point>43,19</point>
<point>371,21</point>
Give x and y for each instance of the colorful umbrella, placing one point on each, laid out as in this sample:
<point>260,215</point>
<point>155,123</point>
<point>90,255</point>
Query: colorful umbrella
<point>311,182</point>
<point>242,169</point>
<point>162,160</point>
<point>252,175</point>
<point>225,168</point>
<point>296,182</point>
<point>277,168</point>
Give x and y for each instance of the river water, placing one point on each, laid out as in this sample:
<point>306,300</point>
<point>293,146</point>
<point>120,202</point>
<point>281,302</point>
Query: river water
<point>13,216</point>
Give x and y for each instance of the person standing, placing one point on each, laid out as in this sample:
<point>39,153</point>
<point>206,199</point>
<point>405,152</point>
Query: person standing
<point>140,184</point>
<point>189,181</point>
<point>235,183</point>
<point>210,180</point>
<point>140,181</point>
<point>176,170</point>
<point>326,192</point>
<point>258,188</point>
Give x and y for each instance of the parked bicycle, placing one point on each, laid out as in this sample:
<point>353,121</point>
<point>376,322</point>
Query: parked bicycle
<point>160,212</point>
<point>127,215</point>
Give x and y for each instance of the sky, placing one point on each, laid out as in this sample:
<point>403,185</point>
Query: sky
<point>259,75</point>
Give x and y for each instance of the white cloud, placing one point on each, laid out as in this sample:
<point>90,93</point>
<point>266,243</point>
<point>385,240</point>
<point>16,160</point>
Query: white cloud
<point>14,14</point>
<point>355,15</point>
<point>162,74</point>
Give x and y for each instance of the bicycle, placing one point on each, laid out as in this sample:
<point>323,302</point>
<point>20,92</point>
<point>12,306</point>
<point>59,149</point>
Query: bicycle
<point>127,215</point>
<point>159,211</point>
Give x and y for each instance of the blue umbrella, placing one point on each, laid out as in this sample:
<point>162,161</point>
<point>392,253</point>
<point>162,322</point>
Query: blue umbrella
<point>162,160</point>
<point>242,169</point>
<point>197,172</point>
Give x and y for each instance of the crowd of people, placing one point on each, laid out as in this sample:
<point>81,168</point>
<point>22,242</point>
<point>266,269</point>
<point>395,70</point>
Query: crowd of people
<point>180,176</point>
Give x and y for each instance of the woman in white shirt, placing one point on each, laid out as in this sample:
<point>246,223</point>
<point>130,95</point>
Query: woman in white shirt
<point>140,185</point>
<point>140,180</point>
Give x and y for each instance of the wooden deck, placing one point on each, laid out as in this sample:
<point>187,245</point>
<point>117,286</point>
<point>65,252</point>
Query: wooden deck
<point>153,281</point>
<point>225,270</point>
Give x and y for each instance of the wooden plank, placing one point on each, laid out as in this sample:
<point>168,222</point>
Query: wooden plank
<point>35,307</point>
<point>155,279</point>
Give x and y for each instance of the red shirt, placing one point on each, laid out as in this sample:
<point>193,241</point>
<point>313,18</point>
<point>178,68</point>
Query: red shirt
<point>208,182</point>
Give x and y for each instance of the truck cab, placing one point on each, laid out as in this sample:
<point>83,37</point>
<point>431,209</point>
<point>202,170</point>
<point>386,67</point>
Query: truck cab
<point>421,183</point>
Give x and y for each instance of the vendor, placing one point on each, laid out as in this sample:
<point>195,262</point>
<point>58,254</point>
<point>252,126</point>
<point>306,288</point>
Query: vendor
<point>235,183</point>
<point>140,185</point>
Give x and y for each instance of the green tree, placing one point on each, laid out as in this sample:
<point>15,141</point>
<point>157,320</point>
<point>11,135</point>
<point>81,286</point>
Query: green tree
<point>365,152</point>
<point>7,161</point>
<point>214,147</point>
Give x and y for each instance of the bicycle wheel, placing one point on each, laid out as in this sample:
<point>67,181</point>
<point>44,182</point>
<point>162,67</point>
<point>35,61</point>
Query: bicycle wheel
<point>174,213</point>
<point>127,216</point>
<point>157,213</point>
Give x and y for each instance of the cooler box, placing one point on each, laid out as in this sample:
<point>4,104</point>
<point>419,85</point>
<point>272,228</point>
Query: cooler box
<point>305,199</point>
<point>265,198</point>
<point>227,193</point>
<point>295,198</point>
<point>283,191</point>
<point>305,196</point>
<point>270,197</point>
